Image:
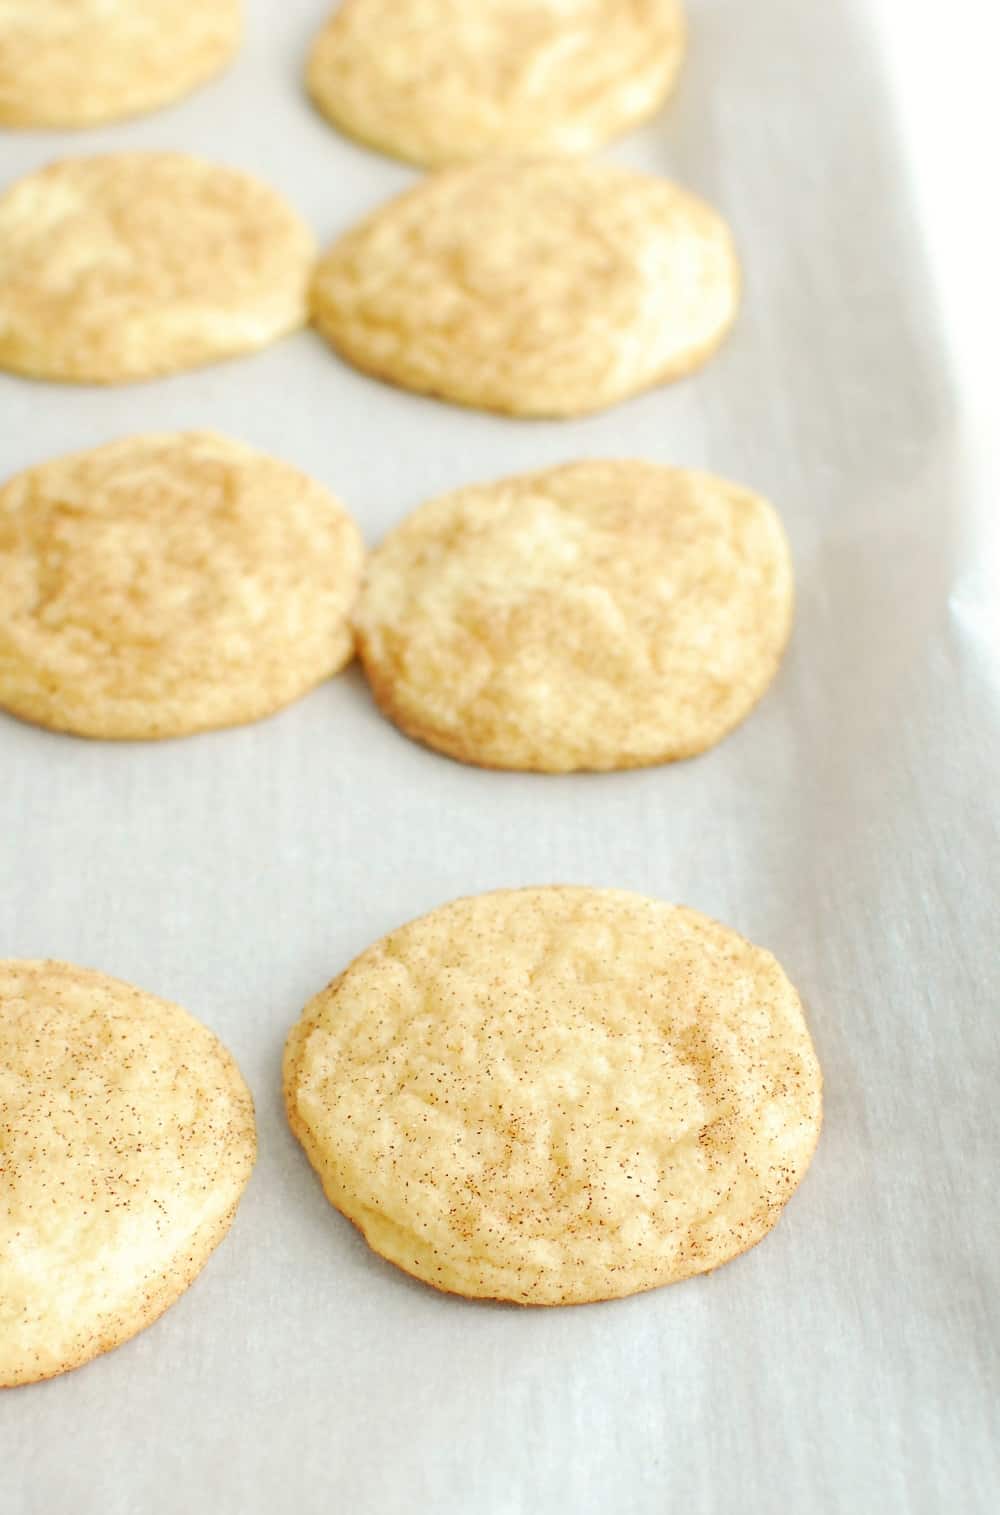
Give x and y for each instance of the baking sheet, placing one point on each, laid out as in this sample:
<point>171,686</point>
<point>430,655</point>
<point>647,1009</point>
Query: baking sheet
<point>850,1362</point>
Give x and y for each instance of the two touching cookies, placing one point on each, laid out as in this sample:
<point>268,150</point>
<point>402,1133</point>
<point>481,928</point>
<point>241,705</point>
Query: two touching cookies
<point>535,287</point>
<point>600,615</point>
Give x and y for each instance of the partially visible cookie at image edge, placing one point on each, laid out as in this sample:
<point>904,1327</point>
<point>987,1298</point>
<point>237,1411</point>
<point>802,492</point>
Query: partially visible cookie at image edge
<point>166,584</point>
<point>77,63</point>
<point>128,1139</point>
<point>125,266</point>
<point>443,81</point>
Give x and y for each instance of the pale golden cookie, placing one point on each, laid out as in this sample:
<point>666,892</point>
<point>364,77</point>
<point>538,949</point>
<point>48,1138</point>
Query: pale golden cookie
<point>81,62</point>
<point>443,81</point>
<point>599,615</point>
<point>557,1095</point>
<point>166,584</point>
<point>536,287</point>
<point>126,1139</point>
<point>131,265</point>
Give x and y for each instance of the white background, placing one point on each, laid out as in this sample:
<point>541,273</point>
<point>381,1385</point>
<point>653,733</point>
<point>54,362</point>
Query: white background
<point>849,1363</point>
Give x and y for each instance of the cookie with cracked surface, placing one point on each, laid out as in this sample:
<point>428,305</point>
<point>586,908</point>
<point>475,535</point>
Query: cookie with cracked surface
<point>128,1138</point>
<point>600,615</point>
<point>129,265</point>
<point>161,585</point>
<point>72,63</point>
<point>559,1095</point>
<point>442,81</point>
<point>533,287</point>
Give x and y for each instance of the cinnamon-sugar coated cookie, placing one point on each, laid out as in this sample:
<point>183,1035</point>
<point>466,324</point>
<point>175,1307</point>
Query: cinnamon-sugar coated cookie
<point>534,287</point>
<point>599,615</point>
<point>557,1095</point>
<point>82,62</point>
<point>126,1139</point>
<point>161,585</point>
<point>443,81</point>
<point>128,265</point>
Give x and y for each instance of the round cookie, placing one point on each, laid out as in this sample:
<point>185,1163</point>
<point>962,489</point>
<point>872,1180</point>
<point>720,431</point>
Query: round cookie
<point>161,585</point>
<point>130,265</point>
<point>128,1138</point>
<point>558,1095</point>
<point>534,287</point>
<point>443,81</point>
<point>599,615</point>
<point>80,62</point>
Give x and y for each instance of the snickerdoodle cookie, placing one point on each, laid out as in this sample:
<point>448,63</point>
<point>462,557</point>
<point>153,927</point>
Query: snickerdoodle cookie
<point>129,265</point>
<point>442,81</point>
<point>598,615</point>
<point>126,1139</point>
<point>161,585</point>
<point>532,286</point>
<point>557,1095</point>
<point>82,62</point>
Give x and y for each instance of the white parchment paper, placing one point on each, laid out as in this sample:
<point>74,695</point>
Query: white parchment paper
<point>850,1362</point>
